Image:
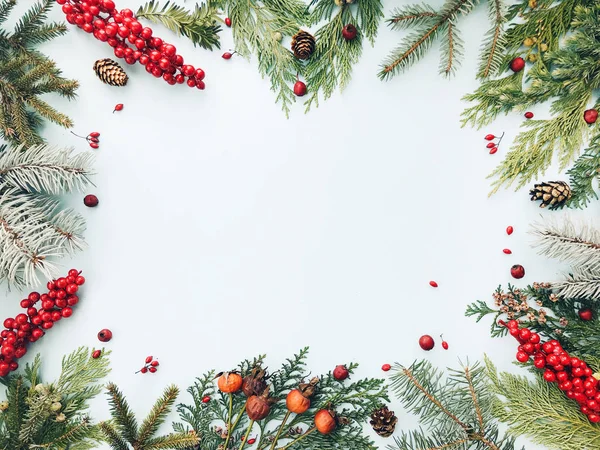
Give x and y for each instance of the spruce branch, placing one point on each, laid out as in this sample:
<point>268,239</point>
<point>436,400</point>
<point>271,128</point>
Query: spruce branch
<point>494,46</point>
<point>539,410</point>
<point>200,26</point>
<point>122,415</point>
<point>429,26</point>
<point>580,283</point>
<point>578,245</point>
<point>455,408</point>
<point>158,414</point>
<point>584,173</point>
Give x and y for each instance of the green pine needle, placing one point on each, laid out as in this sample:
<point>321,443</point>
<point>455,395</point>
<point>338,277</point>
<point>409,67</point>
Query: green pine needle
<point>200,26</point>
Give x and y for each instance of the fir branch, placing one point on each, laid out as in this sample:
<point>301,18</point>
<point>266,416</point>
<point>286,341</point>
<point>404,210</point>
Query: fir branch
<point>429,28</point>
<point>157,416</point>
<point>334,57</point>
<point>200,26</point>
<point>583,174</point>
<point>172,441</point>
<point>534,148</point>
<point>540,411</point>
<point>494,46</point>
<point>112,437</point>
<point>563,240</point>
<point>580,283</point>
<point>124,418</point>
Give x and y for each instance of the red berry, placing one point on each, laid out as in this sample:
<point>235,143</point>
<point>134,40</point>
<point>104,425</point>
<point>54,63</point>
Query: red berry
<point>144,369</point>
<point>517,271</point>
<point>493,150</point>
<point>490,145</point>
<point>590,116</point>
<point>586,314</point>
<point>386,367</point>
<point>540,363</point>
<point>96,354</point>
<point>251,441</point>
<point>227,55</point>
<point>349,32</point>
<point>509,230</point>
<point>426,342</point>
<point>522,357</point>
<point>66,312</point>
<point>300,88</point>
<point>529,115</point>
<point>148,359</point>
<point>227,21</point>
<point>61,283</point>
<point>200,85</point>
<point>152,369</point>
<point>90,201</point>
<point>549,376</point>
<point>105,335</point>
<point>72,288</point>
<point>80,280</point>
<point>433,284</point>
<point>489,137</point>
<point>444,345</point>
<point>205,399</point>
<point>340,373</point>
<point>507,251</point>
<point>517,64</point>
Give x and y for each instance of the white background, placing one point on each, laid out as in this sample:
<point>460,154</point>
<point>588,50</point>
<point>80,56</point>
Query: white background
<point>225,230</point>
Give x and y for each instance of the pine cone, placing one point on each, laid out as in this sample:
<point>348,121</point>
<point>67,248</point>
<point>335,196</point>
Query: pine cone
<point>110,72</point>
<point>552,193</point>
<point>383,421</point>
<point>303,44</point>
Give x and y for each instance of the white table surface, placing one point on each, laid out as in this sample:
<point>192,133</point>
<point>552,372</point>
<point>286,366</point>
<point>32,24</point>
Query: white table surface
<point>225,230</point>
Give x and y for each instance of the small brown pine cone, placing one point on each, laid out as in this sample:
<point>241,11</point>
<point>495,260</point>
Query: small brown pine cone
<point>303,44</point>
<point>552,193</point>
<point>383,421</point>
<point>110,72</point>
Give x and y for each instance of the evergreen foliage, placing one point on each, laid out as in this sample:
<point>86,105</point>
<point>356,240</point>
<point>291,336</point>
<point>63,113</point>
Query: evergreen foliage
<point>123,429</point>
<point>352,400</point>
<point>454,409</point>
<point>26,74</point>
<point>540,411</point>
<point>331,64</point>
<point>52,415</point>
<point>34,229</point>
<point>200,25</point>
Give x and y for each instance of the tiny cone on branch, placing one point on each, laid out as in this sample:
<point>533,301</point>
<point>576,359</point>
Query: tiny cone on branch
<point>303,44</point>
<point>552,193</point>
<point>110,72</point>
<point>383,421</point>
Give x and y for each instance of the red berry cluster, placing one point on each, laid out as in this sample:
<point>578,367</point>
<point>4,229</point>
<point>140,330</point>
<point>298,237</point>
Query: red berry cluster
<point>492,145</point>
<point>92,138</point>
<point>25,328</point>
<point>131,40</point>
<point>151,365</point>
<point>573,375</point>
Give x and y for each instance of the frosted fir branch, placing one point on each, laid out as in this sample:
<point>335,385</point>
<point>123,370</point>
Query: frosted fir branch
<point>44,168</point>
<point>581,283</point>
<point>33,231</point>
<point>577,245</point>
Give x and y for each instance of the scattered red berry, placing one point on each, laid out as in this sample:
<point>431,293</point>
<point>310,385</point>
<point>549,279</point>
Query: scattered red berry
<point>251,441</point>
<point>586,314</point>
<point>433,284</point>
<point>517,271</point>
<point>340,373</point>
<point>205,399</point>
<point>444,343</point>
<point>90,201</point>
<point>105,335</point>
<point>517,64</point>
<point>426,342</point>
<point>227,21</point>
<point>590,116</point>
<point>96,354</point>
<point>227,55</point>
<point>529,115</point>
<point>386,367</point>
<point>118,107</point>
<point>507,251</point>
<point>300,88</point>
<point>349,32</point>
<point>509,230</point>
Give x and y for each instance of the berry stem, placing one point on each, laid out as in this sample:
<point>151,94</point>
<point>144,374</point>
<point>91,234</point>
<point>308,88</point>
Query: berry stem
<point>247,434</point>
<point>82,137</point>
<point>287,416</point>
<point>237,420</point>
<point>229,416</point>
<point>500,140</point>
<point>312,430</point>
